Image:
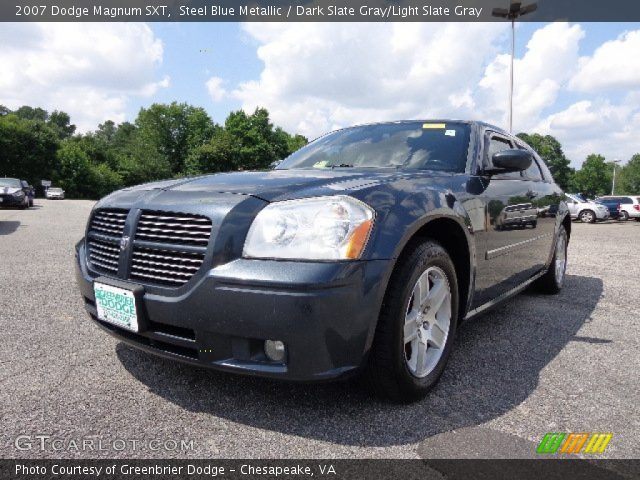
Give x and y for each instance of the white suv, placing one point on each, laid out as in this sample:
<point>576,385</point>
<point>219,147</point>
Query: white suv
<point>585,210</point>
<point>629,205</point>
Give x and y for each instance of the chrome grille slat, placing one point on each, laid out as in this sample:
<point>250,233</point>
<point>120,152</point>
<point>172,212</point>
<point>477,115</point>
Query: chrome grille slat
<point>159,259</point>
<point>110,221</point>
<point>167,257</point>
<point>172,231</point>
<point>105,255</point>
<point>193,219</point>
<point>101,258</point>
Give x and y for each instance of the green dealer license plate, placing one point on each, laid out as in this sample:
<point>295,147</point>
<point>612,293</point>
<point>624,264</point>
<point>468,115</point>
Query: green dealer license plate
<point>116,305</point>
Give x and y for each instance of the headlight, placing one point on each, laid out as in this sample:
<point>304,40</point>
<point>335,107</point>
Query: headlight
<point>322,228</point>
<point>18,194</point>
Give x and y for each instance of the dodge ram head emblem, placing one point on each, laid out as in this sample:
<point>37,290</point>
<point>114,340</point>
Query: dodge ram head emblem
<point>124,243</point>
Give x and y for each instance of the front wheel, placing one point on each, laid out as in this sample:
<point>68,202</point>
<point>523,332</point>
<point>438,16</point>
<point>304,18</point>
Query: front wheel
<point>417,325</point>
<point>624,215</point>
<point>553,281</point>
<point>587,216</point>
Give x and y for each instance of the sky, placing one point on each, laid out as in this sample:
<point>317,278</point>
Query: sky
<point>579,82</point>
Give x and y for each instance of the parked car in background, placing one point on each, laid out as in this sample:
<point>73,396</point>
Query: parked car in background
<point>54,193</point>
<point>612,204</point>
<point>359,253</point>
<point>586,211</point>
<point>13,193</point>
<point>629,205</point>
<point>519,215</point>
<point>29,191</point>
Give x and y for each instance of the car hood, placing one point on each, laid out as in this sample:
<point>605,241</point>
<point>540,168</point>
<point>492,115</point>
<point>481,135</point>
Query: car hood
<point>9,190</point>
<point>276,184</point>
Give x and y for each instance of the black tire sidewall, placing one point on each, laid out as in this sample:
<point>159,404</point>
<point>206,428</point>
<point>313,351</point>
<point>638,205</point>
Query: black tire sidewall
<point>429,254</point>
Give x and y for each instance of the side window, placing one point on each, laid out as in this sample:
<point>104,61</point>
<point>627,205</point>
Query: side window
<point>626,201</point>
<point>497,144</point>
<point>533,172</point>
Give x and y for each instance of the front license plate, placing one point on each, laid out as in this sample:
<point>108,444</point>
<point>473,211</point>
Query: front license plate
<point>116,305</point>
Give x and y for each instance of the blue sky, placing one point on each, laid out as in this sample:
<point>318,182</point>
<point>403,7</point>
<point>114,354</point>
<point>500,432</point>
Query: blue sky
<point>578,82</point>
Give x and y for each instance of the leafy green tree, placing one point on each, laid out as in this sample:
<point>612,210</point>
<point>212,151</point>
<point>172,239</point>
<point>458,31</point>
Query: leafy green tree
<point>550,149</point>
<point>30,113</point>
<point>628,181</point>
<point>27,148</point>
<point>594,177</point>
<point>172,131</point>
<point>80,176</point>
<point>60,122</point>
<point>219,155</point>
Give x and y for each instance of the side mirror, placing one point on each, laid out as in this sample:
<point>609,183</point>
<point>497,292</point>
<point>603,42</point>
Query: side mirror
<point>511,161</point>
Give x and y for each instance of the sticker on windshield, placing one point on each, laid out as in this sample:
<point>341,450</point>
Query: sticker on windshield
<point>450,133</point>
<point>321,164</point>
<point>434,125</point>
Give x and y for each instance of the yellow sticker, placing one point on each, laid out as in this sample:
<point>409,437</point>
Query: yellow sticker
<point>321,164</point>
<point>434,125</point>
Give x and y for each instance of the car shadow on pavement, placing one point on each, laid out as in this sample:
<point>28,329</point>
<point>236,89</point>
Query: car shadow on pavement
<point>494,367</point>
<point>7,227</point>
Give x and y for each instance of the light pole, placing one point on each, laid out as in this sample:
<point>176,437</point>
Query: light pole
<point>514,11</point>
<point>613,184</point>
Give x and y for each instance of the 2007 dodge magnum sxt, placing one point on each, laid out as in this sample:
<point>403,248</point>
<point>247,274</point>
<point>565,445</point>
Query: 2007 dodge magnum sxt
<point>361,252</point>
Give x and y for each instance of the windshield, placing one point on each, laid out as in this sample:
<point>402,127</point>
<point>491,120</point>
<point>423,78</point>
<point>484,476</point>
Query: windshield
<point>55,190</point>
<point>415,145</point>
<point>10,182</point>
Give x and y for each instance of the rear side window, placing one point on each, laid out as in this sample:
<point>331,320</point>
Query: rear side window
<point>533,172</point>
<point>626,200</point>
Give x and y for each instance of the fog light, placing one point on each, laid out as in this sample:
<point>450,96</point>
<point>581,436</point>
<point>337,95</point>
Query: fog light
<point>274,350</point>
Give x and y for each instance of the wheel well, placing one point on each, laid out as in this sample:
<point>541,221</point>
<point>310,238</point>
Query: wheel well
<point>450,235</point>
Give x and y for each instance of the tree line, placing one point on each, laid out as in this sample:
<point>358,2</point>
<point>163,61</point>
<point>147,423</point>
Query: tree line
<point>594,177</point>
<point>164,141</point>
<point>177,139</point>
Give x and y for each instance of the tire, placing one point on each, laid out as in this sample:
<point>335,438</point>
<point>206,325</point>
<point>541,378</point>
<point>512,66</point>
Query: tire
<point>553,281</point>
<point>624,216</point>
<point>394,370</point>
<point>587,216</point>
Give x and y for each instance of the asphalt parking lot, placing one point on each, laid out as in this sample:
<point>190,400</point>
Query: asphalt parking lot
<point>536,364</point>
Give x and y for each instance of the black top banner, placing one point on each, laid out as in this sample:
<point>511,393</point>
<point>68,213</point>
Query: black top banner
<point>319,10</point>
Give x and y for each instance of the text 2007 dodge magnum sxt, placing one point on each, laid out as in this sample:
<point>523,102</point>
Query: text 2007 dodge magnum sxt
<point>361,252</point>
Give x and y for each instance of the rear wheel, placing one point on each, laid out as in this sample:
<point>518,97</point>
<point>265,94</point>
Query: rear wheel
<point>417,325</point>
<point>587,216</point>
<point>553,281</point>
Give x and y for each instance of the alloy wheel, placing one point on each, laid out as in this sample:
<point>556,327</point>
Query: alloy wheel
<point>427,322</point>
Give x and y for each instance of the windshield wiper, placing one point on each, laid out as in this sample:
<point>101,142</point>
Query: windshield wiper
<point>341,165</point>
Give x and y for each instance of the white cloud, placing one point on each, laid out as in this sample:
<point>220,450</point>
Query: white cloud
<point>614,65</point>
<point>596,126</point>
<point>317,77</point>
<point>550,59</point>
<point>89,70</point>
<point>216,89</point>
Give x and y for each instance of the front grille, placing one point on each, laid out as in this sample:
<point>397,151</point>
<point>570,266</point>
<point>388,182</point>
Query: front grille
<point>176,228</point>
<point>109,222</point>
<point>104,255</point>
<point>167,267</point>
<point>168,247</point>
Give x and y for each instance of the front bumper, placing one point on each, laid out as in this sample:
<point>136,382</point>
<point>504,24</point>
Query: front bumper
<point>325,313</point>
<point>11,201</point>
